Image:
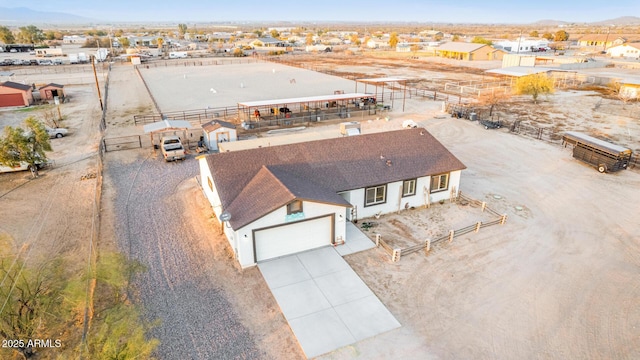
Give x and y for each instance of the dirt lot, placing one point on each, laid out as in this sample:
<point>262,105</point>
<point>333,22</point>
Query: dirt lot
<point>557,281</point>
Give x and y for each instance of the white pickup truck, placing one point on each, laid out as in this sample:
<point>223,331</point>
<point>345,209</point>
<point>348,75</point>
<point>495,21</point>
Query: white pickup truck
<point>172,148</point>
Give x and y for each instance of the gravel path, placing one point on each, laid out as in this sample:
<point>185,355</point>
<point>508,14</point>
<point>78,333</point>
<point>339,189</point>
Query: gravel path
<point>179,287</point>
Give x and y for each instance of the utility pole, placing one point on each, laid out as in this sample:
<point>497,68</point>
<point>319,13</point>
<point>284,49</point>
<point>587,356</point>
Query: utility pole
<point>606,40</point>
<point>95,75</point>
<point>519,39</point>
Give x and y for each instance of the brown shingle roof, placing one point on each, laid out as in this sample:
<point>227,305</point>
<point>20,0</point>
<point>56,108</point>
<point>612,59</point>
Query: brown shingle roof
<point>272,188</point>
<point>15,85</point>
<point>336,165</point>
<point>215,124</point>
<point>52,85</point>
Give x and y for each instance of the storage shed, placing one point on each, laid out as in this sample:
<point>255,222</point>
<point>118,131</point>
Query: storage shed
<point>15,94</point>
<point>51,91</point>
<point>217,131</point>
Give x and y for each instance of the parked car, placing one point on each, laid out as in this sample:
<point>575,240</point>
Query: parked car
<point>56,132</point>
<point>45,62</point>
<point>172,148</point>
<point>33,62</point>
<point>58,62</point>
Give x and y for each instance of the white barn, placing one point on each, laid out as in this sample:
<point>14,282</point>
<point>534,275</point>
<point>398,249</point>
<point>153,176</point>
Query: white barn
<point>280,200</point>
<point>217,131</point>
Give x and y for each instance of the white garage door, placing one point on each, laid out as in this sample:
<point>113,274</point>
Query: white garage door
<point>293,238</point>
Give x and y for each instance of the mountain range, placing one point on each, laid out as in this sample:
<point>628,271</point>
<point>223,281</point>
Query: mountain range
<point>24,16</point>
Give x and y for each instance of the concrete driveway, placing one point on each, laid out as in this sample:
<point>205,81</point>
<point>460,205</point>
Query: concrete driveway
<point>325,302</point>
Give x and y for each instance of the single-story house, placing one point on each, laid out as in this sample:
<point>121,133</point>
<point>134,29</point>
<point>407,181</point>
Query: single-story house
<point>267,42</point>
<point>279,200</point>
<point>631,50</point>
<point>50,91</point>
<point>601,40</point>
<point>15,94</point>
<point>217,131</point>
<point>74,39</point>
<point>469,51</point>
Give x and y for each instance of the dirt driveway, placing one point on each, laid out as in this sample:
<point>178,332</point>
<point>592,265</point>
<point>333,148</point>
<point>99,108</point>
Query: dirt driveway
<point>557,281</point>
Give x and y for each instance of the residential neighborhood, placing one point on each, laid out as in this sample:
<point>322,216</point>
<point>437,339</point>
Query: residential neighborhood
<point>272,188</point>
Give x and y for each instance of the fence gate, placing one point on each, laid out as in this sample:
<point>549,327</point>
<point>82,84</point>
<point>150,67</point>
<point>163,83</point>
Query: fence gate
<point>122,143</point>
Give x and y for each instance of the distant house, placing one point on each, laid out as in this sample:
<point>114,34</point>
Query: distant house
<point>51,91</point>
<point>468,51</point>
<point>74,39</point>
<point>15,94</point>
<point>432,33</point>
<point>218,131</point>
<point>267,42</point>
<point>279,200</point>
<point>601,40</point>
<point>631,50</point>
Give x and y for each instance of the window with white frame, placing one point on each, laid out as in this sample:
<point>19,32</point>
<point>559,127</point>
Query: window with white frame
<point>439,182</point>
<point>409,187</point>
<point>294,207</point>
<point>375,195</point>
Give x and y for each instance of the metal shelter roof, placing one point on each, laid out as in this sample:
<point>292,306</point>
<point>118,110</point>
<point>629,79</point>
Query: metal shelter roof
<point>381,80</point>
<point>519,71</point>
<point>167,125</point>
<point>305,99</point>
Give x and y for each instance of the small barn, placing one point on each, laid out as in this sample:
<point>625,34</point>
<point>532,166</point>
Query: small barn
<point>217,131</point>
<point>15,94</point>
<point>468,51</point>
<point>51,91</point>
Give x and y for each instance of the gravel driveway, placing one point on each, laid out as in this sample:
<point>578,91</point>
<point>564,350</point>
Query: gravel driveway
<point>180,286</point>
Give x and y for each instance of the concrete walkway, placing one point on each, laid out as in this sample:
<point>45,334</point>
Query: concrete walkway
<point>325,302</point>
<point>356,241</point>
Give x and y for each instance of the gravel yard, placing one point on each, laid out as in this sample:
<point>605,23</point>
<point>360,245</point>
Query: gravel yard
<point>208,309</point>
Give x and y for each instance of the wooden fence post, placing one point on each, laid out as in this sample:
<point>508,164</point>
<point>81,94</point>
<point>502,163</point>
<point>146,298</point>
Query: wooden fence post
<point>478,226</point>
<point>503,219</point>
<point>484,205</point>
<point>451,234</point>
<point>396,255</point>
<point>377,240</point>
<point>428,247</point>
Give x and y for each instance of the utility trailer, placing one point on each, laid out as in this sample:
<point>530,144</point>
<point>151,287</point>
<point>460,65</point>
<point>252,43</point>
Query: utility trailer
<point>605,156</point>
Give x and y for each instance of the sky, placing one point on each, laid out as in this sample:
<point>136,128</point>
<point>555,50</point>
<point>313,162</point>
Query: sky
<point>440,11</point>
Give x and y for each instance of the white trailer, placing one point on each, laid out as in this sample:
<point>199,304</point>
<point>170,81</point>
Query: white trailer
<point>178,55</point>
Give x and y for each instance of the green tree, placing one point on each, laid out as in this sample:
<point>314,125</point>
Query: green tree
<point>275,34</point>
<point>561,35</point>
<point>455,37</point>
<point>258,32</point>
<point>534,85</point>
<point>481,40</point>
<point>534,34</point>
<point>33,304</point>
<point>393,40</point>
<point>6,35</point>
<point>355,40</point>
<point>414,49</point>
<point>124,42</point>
<point>182,29</point>
<point>309,39</point>
<point>548,36</point>
<point>18,145</point>
<point>30,35</point>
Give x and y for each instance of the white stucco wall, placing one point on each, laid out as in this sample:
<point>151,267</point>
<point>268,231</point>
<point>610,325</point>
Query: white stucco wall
<point>395,199</point>
<point>244,235</point>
